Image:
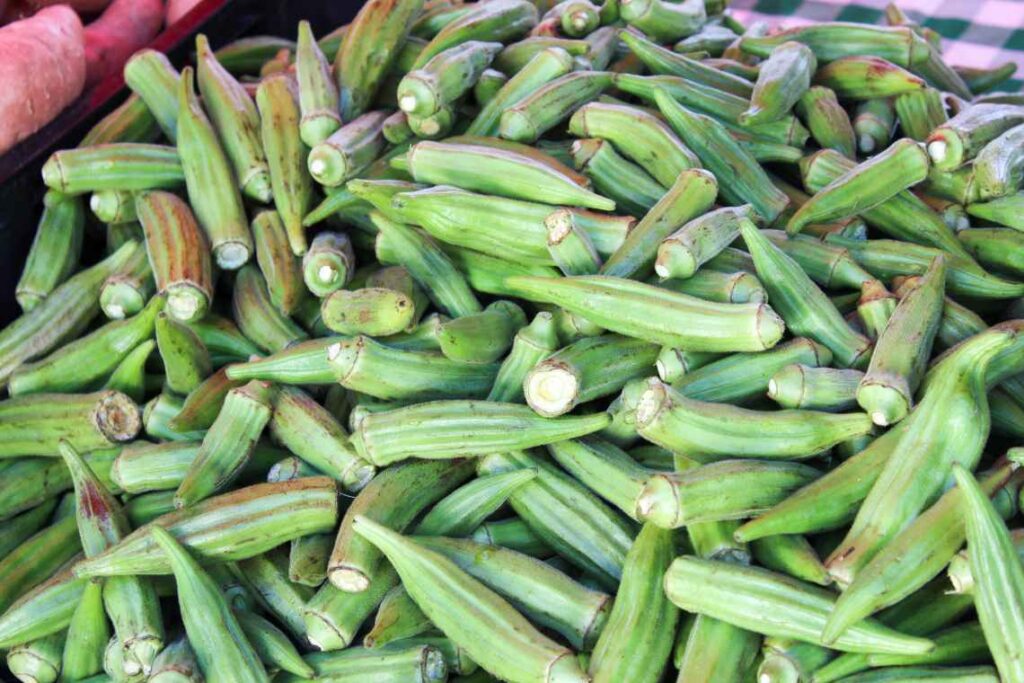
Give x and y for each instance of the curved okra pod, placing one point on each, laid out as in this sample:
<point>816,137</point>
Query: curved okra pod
<point>229,442</point>
<point>799,386</point>
<point>902,350</point>
<point>318,92</point>
<point>544,67</point>
<point>150,75</point>
<point>130,122</point>
<point>212,189</point>
<point>873,123</point>
<point>718,430</point>
<point>952,402</point>
<point>36,424</point>
<point>867,78</point>
<point>280,267</point>
<point>803,305</point>
<point>256,315</point>
<point>369,367</point>
<point>837,39</point>
<point>234,115</point>
<point>178,253</point>
<point>633,190</point>
<point>982,80</point>
<point>531,344</point>
<point>349,150</point>
<point>115,166</point>
<point>699,240</point>
<point>657,315</point>
<point>998,576</point>
<point>232,526</point>
<point>309,431</point>
<point>920,112</point>
<point>302,363</point>
<point>664,22</point>
<point>55,249</point>
<point>186,361</point>
<point>445,78</point>
<point>585,370</point>
<point>546,107</point>
<point>665,62</point>
<point>41,555</point>
<point>960,139</point>
<point>638,135</point>
<point>997,248</point>
<point>790,554</point>
<point>869,184</point>
<point>454,428</point>
<point>743,596</point>
<point>782,80</point>
<point>329,263</point>
<point>87,636</point>
<point>286,156</point>
<point>395,497</point>
<point>219,642</point>
<point>87,360</point>
<point>999,167</point>
<point>827,121</point>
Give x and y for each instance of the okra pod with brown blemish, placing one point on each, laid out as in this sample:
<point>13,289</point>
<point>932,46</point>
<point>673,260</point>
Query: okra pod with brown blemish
<point>867,78</point>
<point>256,315</point>
<point>827,121</point>
<point>551,104</point>
<point>328,264</point>
<point>55,249</point>
<point>280,267</point>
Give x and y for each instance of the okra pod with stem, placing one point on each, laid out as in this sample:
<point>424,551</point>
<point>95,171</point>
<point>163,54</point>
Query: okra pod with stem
<point>290,182</point>
<point>531,344</point>
<point>39,660</point>
<point>186,360</point>
<point>35,424</point>
<point>150,75</point>
<point>115,166</point>
<point>328,264</point>
<point>127,291</point>
<point>445,78</point>
<point>223,338</point>
<point>664,22</point>
<point>256,315</point>
<point>874,308</point>
<point>318,92</point>
<point>727,288</point>
<point>212,188</point>
<point>348,150</point>
<point>513,534</point>
<point>834,40</point>
<point>873,123</point>
<point>435,126</point>
<point>280,267</point>
<point>799,386</point>
<point>665,62</point>
<point>960,139</point>
<point>828,265</point>
<point>551,104</point>
<point>237,123</point>
<point>178,253</point>
<point>827,121</point>
<point>481,337</point>
<point>959,570</point>
<point>569,246</point>
<point>699,240</point>
<point>55,249</point>
<point>919,113</point>
<point>633,190</point>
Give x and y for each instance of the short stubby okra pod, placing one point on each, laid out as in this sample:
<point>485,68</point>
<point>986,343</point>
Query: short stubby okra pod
<point>719,430</point>
<point>186,360</point>
<point>114,166</point>
<point>902,350</point>
<point>999,167</point>
<point>782,80</point>
<point>804,307</point>
<point>869,184</point>
<point>665,62</point>
<point>638,135</point>
<point>837,39</point>
<point>827,121</point>
<point>546,107</point>
<point>452,429</point>
<point>498,172</point>
<point>232,526</point>
<point>585,370</point>
<point>959,139</point>
<point>395,497</point>
<point>257,317</point>
<point>318,92</point>
<point>699,240</point>
<point>113,206</point>
<point>375,311</point>
<point>755,599</point>
<point>547,65</point>
<point>348,150</point>
<point>152,77</point>
<point>55,249</point>
<point>658,315</point>
<point>873,122</point>
<point>445,78</point>
<point>799,386</point>
<point>35,424</point>
<point>178,253</point>
<point>481,337</point>
<point>234,115</point>
<point>39,660</point>
<point>328,264</point>
<point>229,442</point>
<point>212,189</point>
<point>663,21</point>
<point>291,186</point>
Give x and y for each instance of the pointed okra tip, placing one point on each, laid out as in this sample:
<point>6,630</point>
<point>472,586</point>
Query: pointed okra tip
<point>1016,456</point>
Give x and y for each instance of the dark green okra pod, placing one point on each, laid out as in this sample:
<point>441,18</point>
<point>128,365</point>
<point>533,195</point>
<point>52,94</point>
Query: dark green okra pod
<point>55,249</point>
<point>318,92</point>
<point>36,424</point>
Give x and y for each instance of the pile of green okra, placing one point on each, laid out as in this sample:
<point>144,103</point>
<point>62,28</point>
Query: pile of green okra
<point>543,344</point>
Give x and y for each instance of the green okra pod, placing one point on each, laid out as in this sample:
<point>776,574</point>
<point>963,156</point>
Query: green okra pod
<point>498,22</point>
<point>113,206</point>
<point>318,92</point>
<point>456,428</point>
<point>445,78</point>
<point>114,166</point>
<point>513,534</point>
<point>834,40</point>
<point>290,182</point>
<point>744,596</point>
<point>715,650</point>
<point>531,344</point>
<point>633,190</point>
<point>488,85</point>
<point>32,481</point>
<point>874,308</point>
<point>302,363</point>
<point>46,609</point>
<point>664,22</point>
<point>827,121</point>
<point>400,662</point>
<point>699,240</point>
<point>211,184</point>
<point>150,75</point>
<point>961,138</point>
<point>37,558</point>
<point>186,360</point>
<point>87,636</point>
<point>578,18</point>
<point>999,167</point>
<point>176,663</point>
<point>376,311</point>
<point>265,578</point>
<point>329,263</point>
<point>920,112</point>
<point>799,386</point>
<point>726,288</point>
<point>397,619</point>
<point>782,80</point>
<point>395,497</point>
<point>552,103</point>
<point>395,130</point>
<point>236,120</point>
<point>982,80</point>
<point>270,644</point>
<point>20,528</point>
<point>481,337</point>
<point>348,151</point>
<point>256,315</point>
<point>515,56</point>
<point>130,122</point>
<point>665,62</point>
<point>569,246</point>
<point>35,424</point>
<point>545,66</point>
<point>828,265</point>
<point>55,249</point>
<point>712,38</point>
<point>39,660</point>
<point>790,554</point>
<point>996,248</point>
<point>961,644</point>
<point>280,267</point>
<point>873,122</point>
<point>464,509</point>
<point>866,78</point>
<point>142,466</point>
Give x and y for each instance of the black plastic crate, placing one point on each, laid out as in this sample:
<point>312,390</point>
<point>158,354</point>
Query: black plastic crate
<point>21,187</point>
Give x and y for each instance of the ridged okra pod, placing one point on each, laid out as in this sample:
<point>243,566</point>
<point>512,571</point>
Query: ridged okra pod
<point>229,442</point>
<point>697,428</point>
<point>445,78</point>
<point>902,350</point>
<point>515,56</point>
<point>744,596</point>
<point>30,482</point>
<point>302,363</point>
<point>493,23</point>
<point>264,579</point>
<point>531,344</point>
<point>35,559</point>
<point>959,569</point>
<point>113,206</point>
<point>873,122</point>
<point>585,370</point>
<point>712,650</point>
<point>546,107</point>
<point>114,166</point>
<point>144,466</point>
<point>397,619</point>
<point>271,646</point>
<point>369,367</point>
<point>657,315</point>
<point>39,660</point>
<point>36,424</point>
<point>799,386</point>
<point>236,120</point>
<point>952,402</point>
<point>802,304</point>
<point>452,429</point>
<point>150,75</point>
<point>464,509</point>
<point>782,80</point>
<point>186,360</point>
<point>547,65</point>
<point>256,315</point>
<point>130,122</point>
<point>864,77</point>
<point>394,498</point>
<point>569,246</point>
<point>665,62</point>
<point>920,112</point>
<point>19,528</point>
<point>514,534</point>
<point>318,92</point>
<point>46,609</point>
<point>213,529</point>
<point>178,253</point>
<point>280,267</point>
<point>790,554</point>
<point>827,121</point>
<point>212,188</point>
<point>664,22</point>
<point>401,662</point>
<point>290,182</point>
<point>727,288</point>
<point>960,644</point>
<point>874,308</point>
<point>348,150</point>
<point>633,190</point>
<point>55,249</point>
<point>328,264</point>
<point>833,40</point>
<point>638,135</point>
<point>999,167</point>
<point>961,138</point>
<point>866,186</point>
<point>87,636</point>
<point>699,240</point>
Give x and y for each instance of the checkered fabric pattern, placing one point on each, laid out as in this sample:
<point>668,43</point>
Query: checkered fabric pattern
<point>977,33</point>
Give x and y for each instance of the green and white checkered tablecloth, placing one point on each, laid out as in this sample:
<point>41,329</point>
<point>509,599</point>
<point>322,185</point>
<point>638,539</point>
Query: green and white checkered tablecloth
<point>977,33</point>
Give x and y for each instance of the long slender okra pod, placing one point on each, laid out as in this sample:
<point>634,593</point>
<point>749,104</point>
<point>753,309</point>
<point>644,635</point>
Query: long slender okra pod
<point>87,636</point>
<point>114,166</point>
<point>633,190</point>
<point>552,103</point>
<point>46,609</point>
<point>837,39</point>
<point>29,482</point>
<point>464,509</point>
<point>665,62</point>
<point>38,557</point>
<point>859,77</point>
<point>279,265</point>
<point>154,80</point>
<point>545,66</point>
<point>144,466</point>
<point>318,92</point>
<point>35,424</point>
<point>301,363</point>
<point>55,249</point>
